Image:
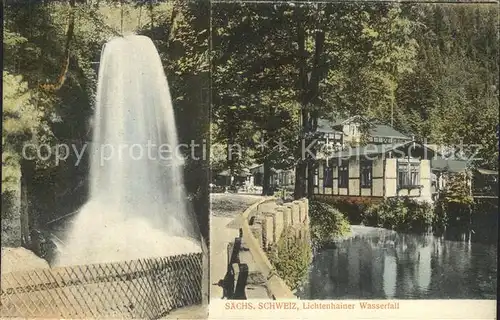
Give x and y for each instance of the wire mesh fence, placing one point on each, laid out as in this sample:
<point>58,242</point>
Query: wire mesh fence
<point>139,289</point>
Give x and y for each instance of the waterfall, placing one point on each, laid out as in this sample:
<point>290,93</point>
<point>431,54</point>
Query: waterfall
<point>137,206</point>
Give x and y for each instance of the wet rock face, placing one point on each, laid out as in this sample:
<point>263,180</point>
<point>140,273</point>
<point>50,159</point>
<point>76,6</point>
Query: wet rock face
<point>43,245</point>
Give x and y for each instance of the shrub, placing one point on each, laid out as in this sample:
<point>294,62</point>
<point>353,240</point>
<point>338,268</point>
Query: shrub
<point>449,212</point>
<point>454,205</point>
<point>326,223</point>
<point>352,208</point>
<point>291,257</point>
<point>399,214</point>
<point>440,213</point>
<point>457,190</point>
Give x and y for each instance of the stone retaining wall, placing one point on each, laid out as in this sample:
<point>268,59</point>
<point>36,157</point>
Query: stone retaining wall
<point>262,226</point>
<point>268,225</point>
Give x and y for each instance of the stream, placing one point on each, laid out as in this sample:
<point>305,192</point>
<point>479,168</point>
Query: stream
<point>376,263</point>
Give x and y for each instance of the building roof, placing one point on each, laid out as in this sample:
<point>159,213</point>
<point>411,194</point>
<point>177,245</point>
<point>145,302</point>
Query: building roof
<point>326,126</point>
<point>254,166</point>
<point>383,130</point>
<point>456,166</point>
<point>377,129</point>
<point>448,165</point>
<point>487,172</point>
<point>259,168</point>
<point>238,173</point>
<point>370,149</point>
<point>375,149</point>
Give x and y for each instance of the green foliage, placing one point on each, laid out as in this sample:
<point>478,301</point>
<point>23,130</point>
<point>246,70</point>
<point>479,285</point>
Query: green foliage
<point>425,64</point>
<point>291,257</point>
<point>255,92</point>
<point>299,62</point>
<point>376,48</point>
<point>351,208</point>
<point>22,121</point>
<point>457,189</point>
<point>455,203</point>
<point>326,223</point>
<point>400,214</point>
<point>35,45</point>
<point>35,38</point>
<point>456,75</point>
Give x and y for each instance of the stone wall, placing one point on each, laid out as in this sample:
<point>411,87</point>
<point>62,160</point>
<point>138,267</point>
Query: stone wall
<point>262,226</point>
<point>268,225</point>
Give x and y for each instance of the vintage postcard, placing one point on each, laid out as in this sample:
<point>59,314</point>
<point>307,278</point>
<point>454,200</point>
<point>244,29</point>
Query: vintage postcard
<point>355,167</point>
<point>196,159</point>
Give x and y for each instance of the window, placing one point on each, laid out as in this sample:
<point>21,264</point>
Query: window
<point>408,174</point>
<point>328,177</point>
<point>366,174</point>
<point>316,179</point>
<point>343,174</point>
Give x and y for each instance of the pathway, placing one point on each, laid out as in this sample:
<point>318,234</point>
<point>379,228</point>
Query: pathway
<point>225,207</point>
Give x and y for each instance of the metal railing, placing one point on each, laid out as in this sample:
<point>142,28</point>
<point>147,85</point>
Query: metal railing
<point>140,289</point>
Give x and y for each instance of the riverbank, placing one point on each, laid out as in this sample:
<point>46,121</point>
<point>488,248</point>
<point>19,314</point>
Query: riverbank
<point>407,215</point>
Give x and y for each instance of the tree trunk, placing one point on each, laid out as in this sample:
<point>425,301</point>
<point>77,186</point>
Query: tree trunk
<point>231,161</point>
<point>300,179</point>
<point>311,94</point>
<point>270,134</point>
<point>310,179</point>
<point>300,168</point>
<point>172,27</point>
<point>151,14</point>
<point>65,66</point>
<point>309,88</point>
<point>311,163</point>
<point>29,219</point>
<point>266,183</point>
<point>24,214</point>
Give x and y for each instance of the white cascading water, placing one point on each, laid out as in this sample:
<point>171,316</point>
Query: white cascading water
<point>137,205</point>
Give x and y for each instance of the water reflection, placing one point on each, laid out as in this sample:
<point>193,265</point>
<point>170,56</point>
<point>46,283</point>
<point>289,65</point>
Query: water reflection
<point>378,263</point>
